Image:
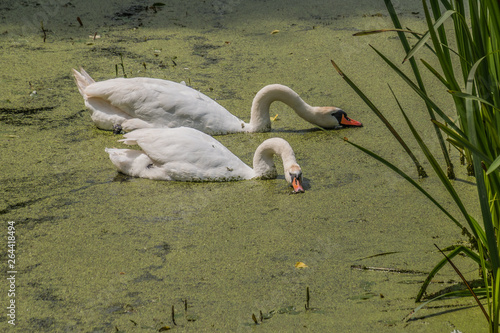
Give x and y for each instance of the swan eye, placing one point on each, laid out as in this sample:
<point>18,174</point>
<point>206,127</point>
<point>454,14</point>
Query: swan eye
<point>338,113</point>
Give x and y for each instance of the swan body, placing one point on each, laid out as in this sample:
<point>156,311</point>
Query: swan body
<point>186,154</point>
<point>146,103</point>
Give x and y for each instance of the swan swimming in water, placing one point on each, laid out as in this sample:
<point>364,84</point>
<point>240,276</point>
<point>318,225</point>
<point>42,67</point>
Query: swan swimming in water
<point>186,154</point>
<point>141,102</point>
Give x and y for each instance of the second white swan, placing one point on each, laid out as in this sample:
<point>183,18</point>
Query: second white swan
<point>186,154</point>
<point>141,102</point>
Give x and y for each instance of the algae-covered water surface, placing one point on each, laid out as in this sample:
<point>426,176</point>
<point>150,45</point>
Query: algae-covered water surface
<point>97,251</point>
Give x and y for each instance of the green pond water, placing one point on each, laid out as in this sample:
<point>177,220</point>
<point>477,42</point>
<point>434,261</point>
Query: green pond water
<point>97,251</point>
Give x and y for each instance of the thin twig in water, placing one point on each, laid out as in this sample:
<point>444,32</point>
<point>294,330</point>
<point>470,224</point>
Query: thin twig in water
<point>44,31</point>
<point>386,269</point>
<point>370,32</point>
<point>378,255</point>
<point>307,298</point>
<point>173,316</point>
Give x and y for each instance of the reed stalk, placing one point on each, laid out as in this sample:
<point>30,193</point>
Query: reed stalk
<point>469,69</point>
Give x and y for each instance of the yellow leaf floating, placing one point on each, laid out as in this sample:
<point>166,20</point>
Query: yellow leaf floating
<point>274,118</point>
<point>274,32</point>
<point>300,264</point>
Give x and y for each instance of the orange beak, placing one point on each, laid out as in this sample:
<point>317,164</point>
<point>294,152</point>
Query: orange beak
<point>346,121</point>
<point>297,186</point>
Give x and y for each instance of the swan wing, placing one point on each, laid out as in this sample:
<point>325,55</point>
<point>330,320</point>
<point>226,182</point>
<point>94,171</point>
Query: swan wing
<point>187,154</point>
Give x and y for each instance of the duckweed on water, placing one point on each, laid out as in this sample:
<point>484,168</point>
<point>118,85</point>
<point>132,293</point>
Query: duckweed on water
<point>91,243</point>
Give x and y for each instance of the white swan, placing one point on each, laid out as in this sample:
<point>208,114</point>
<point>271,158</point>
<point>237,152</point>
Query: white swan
<point>186,154</point>
<point>145,102</point>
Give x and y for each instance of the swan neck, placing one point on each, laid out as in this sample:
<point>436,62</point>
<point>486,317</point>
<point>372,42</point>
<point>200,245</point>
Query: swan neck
<point>263,161</point>
<point>260,120</point>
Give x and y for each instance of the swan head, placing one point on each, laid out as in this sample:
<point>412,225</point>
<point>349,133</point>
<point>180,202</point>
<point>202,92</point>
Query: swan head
<point>263,164</point>
<point>293,175</point>
<point>332,117</point>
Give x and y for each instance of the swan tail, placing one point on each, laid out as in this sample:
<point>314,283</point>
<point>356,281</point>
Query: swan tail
<point>82,79</point>
<point>129,142</point>
<point>127,161</point>
<point>135,163</point>
<point>135,123</point>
